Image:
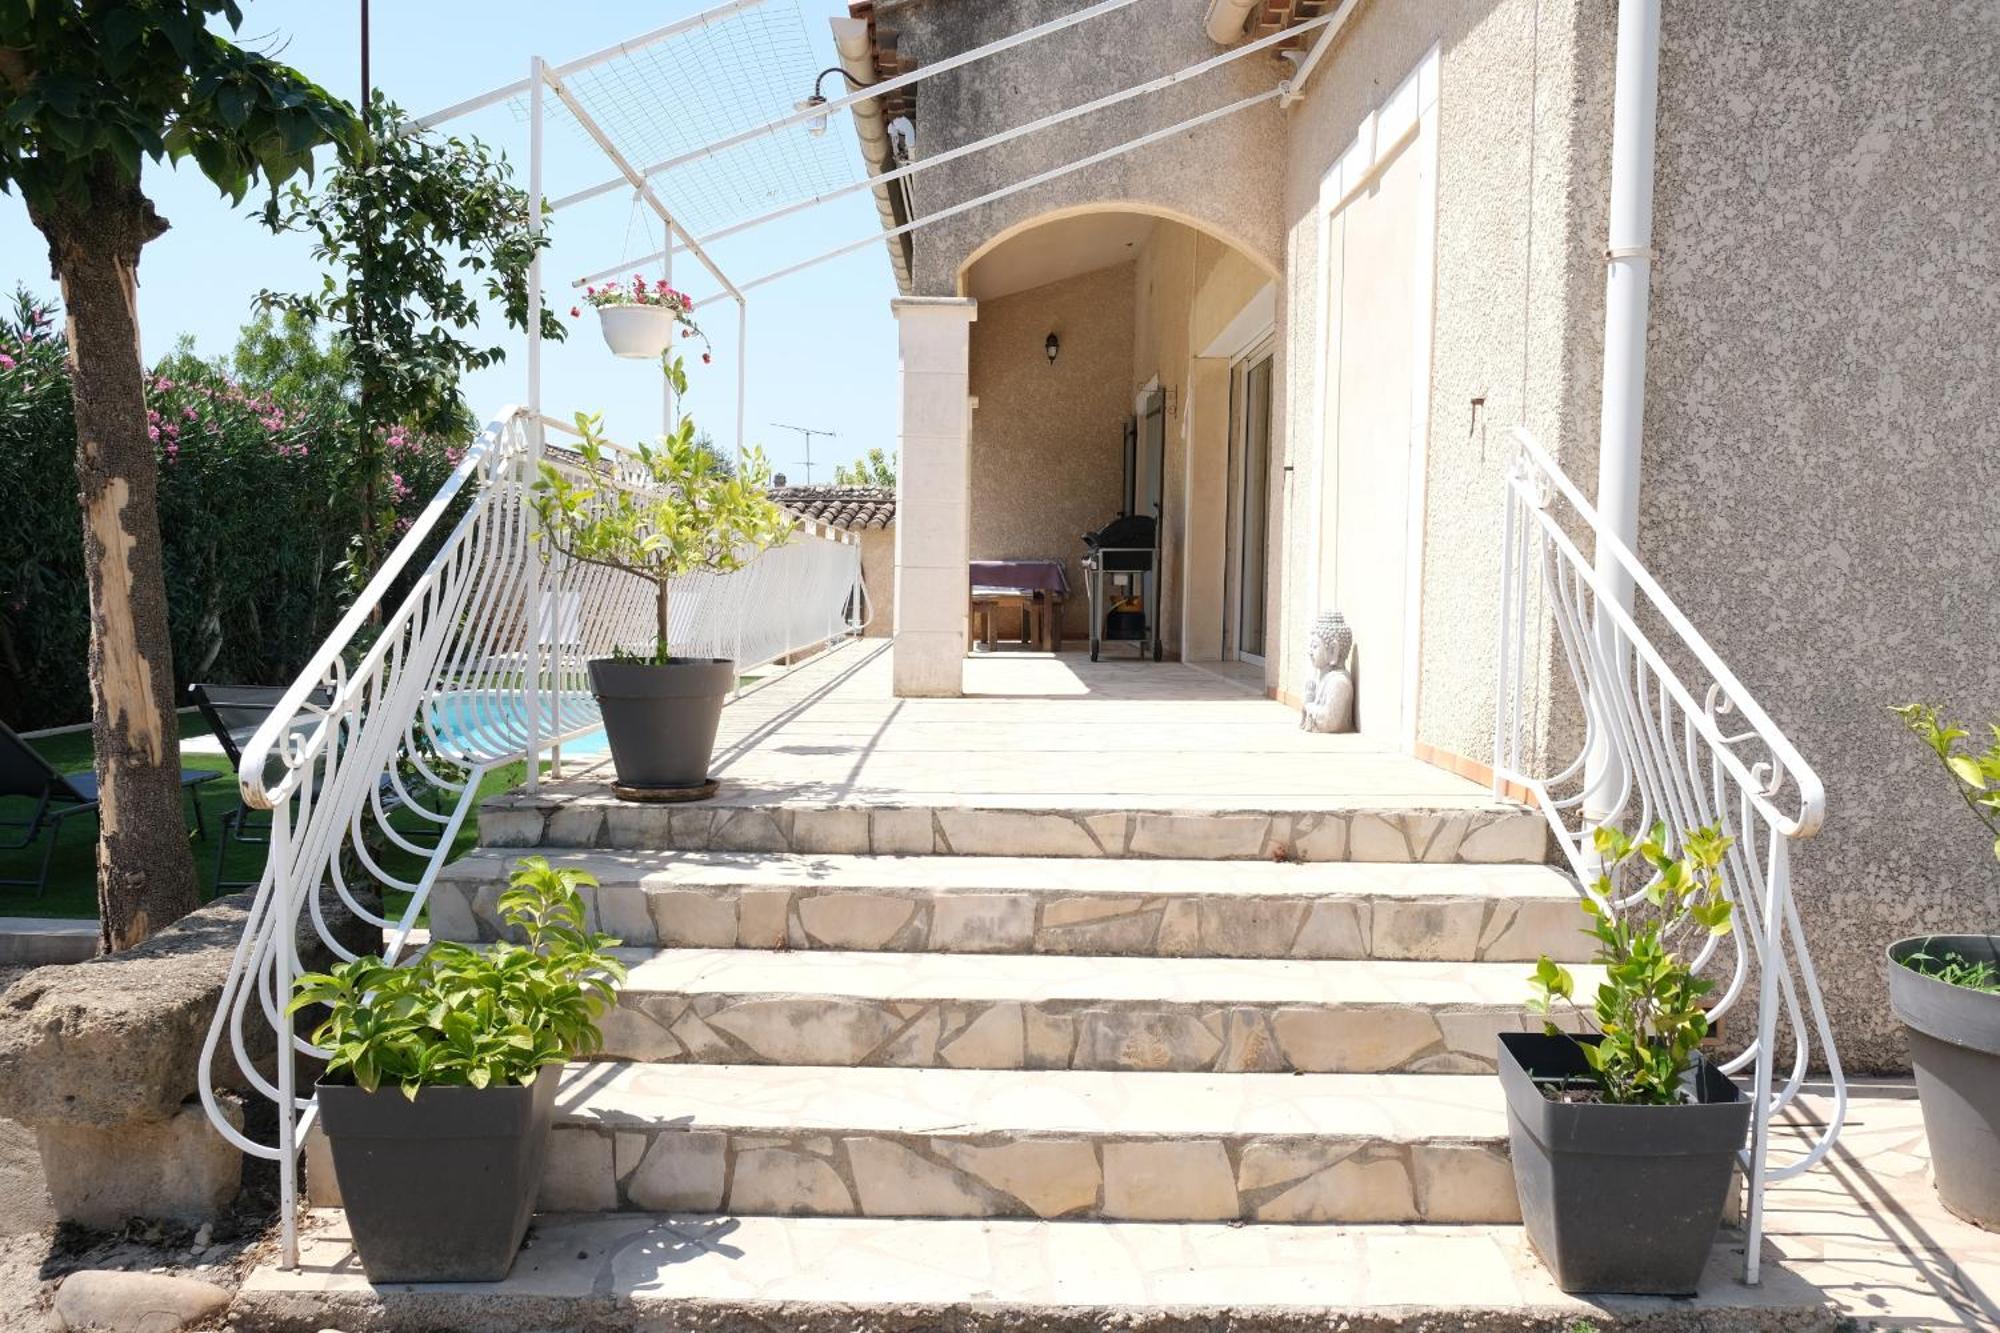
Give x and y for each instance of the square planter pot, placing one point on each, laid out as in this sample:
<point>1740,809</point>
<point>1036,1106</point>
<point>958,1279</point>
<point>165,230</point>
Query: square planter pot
<point>438,1189</point>
<point>1621,1199</point>
<point>1954,1036</point>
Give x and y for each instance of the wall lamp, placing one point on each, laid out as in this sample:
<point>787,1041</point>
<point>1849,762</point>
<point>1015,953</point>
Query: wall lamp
<point>816,126</point>
<point>1053,347</point>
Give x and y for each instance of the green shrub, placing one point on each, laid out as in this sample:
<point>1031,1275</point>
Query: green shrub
<point>1648,1011</point>
<point>258,516</point>
<point>465,1017</point>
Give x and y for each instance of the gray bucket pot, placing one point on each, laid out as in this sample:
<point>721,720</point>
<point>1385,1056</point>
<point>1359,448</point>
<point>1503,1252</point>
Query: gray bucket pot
<point>1955,1050</point>
<point>661,720</point>
<point>1619,1199</point>
<point>438,1189</point>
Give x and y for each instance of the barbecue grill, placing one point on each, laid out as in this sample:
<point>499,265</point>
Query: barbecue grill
<point>1121,571</point>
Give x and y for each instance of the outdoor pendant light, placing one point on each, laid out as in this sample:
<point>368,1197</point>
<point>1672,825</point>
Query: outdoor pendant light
<point>816,126</point>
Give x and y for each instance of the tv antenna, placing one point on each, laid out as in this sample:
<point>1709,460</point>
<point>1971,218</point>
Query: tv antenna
<point>808,432</point>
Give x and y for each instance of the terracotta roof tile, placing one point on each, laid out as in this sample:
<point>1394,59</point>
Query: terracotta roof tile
<point>851,507</point>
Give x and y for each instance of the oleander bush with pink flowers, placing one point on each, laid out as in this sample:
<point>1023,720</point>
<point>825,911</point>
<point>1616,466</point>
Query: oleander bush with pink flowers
<point>258,515</point>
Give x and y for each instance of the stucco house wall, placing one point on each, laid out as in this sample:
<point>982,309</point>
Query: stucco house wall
<point>1176,178</point>
<point>878,577</point>
<point>1047,449</point>
<point>1524,122</point>
<point>1821,484</point>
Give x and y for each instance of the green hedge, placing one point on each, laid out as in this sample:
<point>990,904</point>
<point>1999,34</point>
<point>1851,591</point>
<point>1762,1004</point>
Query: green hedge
<point>259,509</point>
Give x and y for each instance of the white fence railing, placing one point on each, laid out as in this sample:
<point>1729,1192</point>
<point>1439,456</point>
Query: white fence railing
<point>372,763</point>
<point>1669,735</point>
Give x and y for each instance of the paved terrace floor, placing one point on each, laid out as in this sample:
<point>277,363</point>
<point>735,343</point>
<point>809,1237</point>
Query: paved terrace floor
<point>1043,732</point>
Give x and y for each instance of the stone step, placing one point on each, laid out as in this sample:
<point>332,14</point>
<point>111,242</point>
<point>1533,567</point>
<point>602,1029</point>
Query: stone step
<point>584,813</point>
<point>864,1275</point>
<point>1051,905</point>
<point>761,1139</point>
<point>1037,1011</point>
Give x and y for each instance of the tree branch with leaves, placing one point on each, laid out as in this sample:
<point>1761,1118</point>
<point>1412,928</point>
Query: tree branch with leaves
<point>417,230</point>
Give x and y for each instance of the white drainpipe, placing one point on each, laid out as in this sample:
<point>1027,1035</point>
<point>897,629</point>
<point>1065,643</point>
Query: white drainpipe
<point>1226,20</point>
<point>1627,276</point>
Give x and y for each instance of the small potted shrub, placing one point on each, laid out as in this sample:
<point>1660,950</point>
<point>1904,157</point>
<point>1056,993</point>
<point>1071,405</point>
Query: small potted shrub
<point>441,1080</point>
<point>640,320</point>
<point>688,515</point>
<point>1946,991</point>
<point>1624,1136</point>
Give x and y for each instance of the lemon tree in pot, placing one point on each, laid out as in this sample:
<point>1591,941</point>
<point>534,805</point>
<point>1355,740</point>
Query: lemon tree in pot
<point>440,1080</point>
<point>1946,991</point>
<point>666,511</point>
<point>1624,1136</point>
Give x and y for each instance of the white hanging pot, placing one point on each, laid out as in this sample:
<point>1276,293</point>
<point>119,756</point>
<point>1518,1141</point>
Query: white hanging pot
<point>637,330</point>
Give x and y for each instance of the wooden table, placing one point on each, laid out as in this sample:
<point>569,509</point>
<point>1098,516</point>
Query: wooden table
<point>1037,588</point>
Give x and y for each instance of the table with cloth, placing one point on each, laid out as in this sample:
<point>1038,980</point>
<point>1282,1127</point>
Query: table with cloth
<point>1036,588</point>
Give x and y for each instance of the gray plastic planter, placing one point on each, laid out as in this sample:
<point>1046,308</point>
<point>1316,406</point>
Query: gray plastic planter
<point>438,1189</point>
<point>661,720</point>
<point>1618,1198</point>
<point>1955,1049</point>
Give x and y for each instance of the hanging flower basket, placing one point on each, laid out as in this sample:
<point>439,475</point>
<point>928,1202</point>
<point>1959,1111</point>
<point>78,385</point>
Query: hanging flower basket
<point>636,330</point>
<point>640,320</point>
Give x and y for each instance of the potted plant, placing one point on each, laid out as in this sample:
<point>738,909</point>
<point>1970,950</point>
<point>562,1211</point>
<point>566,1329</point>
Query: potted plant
<point>1946,991</point>
<point>667,511</point>
<point>639,320</point>
<point>1624,1136</point>
<point>441,1080</point>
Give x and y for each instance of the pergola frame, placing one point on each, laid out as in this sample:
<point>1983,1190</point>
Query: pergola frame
<point>543,76</point>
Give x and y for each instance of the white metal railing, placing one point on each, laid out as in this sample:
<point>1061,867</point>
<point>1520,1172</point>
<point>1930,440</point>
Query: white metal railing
<point>372,763</point>
<point>1657,748</point>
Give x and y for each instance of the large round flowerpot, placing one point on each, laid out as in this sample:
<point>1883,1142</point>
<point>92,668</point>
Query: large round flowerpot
<point>636,330</point>
<point>1622,1199</point>
<point>1955,1049</point>
<point>661,719</point>
<point>439,1189</point>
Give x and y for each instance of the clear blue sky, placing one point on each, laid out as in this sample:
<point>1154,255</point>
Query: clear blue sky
<point>822,343</point>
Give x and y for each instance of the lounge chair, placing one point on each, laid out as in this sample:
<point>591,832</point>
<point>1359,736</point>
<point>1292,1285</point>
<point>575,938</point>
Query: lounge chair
<point>233,713</point>
<point>58,796</point>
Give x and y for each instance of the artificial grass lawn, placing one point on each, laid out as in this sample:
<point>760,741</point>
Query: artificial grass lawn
<point>72,889</point>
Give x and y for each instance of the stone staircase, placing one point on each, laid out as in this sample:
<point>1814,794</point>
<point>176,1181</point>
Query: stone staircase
<point>1261,1016</point>
<point>885,1068</point>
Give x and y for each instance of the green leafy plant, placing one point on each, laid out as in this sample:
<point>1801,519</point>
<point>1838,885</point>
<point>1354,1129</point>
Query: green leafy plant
<point>661,512</point>
<point>465,1017</point>
<point>1648,1013</point>
<point>1975,775</point>
<point>1954,968</point>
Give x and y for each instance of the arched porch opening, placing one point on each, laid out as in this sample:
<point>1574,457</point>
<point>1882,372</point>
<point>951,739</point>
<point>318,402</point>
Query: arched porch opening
<point>1123,360</point>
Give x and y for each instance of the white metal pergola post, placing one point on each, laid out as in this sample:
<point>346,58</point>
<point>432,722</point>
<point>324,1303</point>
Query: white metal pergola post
<point>531,646</point>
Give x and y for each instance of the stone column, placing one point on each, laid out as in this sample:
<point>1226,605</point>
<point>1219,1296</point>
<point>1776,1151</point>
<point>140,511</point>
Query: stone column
<point>933,335</point>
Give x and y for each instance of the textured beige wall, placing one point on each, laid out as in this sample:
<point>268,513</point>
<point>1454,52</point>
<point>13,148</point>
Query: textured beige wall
<point>1821,487</point>
<point>1523,111</point>
<point>1176,177</point>
<point>878,576</point>
<point>1048,440</point>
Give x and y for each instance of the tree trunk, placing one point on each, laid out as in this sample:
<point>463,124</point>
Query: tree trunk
<point>145,869</point>
<point>661,650</point>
